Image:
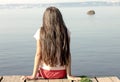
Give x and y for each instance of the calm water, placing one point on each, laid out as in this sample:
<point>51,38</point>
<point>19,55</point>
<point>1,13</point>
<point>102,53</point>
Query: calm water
<point>95,40</point>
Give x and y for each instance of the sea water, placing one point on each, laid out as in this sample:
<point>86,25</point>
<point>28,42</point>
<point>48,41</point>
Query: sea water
<point>95,40</point>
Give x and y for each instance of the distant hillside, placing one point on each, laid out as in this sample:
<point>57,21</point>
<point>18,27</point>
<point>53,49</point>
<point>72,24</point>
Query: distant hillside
<point>69,4</point>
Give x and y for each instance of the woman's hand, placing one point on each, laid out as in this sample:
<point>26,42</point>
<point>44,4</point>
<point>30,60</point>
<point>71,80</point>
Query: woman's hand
<point>28,78</point>
<point>74,78</point>
<point>77,78</point>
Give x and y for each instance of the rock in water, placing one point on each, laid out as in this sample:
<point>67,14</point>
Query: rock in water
<point>91,12</point>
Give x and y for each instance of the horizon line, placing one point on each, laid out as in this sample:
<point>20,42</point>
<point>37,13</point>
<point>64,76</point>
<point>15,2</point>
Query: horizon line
<point>48,2</point>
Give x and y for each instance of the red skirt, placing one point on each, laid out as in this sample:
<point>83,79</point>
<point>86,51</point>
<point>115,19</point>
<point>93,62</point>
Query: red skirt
<point>51,74</point>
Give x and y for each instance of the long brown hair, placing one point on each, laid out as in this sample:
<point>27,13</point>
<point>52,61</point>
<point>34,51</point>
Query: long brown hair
<point>54,38</point>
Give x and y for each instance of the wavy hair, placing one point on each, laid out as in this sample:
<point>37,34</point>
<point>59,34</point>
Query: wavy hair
<point>54,39</point>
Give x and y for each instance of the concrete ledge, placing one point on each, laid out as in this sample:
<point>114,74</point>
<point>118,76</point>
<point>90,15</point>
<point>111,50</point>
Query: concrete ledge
<point>15,78</point>
<point>11,79</point>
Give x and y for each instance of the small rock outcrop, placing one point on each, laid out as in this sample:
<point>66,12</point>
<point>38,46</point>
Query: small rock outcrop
<point>91,12</point>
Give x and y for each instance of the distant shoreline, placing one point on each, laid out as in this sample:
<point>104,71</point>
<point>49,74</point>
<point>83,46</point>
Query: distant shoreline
<point>67,4</point>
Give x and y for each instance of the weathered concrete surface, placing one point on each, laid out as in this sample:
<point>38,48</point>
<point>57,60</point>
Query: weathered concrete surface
<point>108,79</point>
<point>17,79</point>
<point>12,79</point>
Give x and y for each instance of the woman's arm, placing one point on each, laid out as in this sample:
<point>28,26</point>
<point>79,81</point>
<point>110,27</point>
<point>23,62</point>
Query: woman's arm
<point>68,69</point>
<point>37,59</point>
<point>36,63</point>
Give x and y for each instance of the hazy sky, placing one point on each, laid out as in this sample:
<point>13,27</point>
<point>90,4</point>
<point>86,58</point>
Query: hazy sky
<point>46,1</point>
